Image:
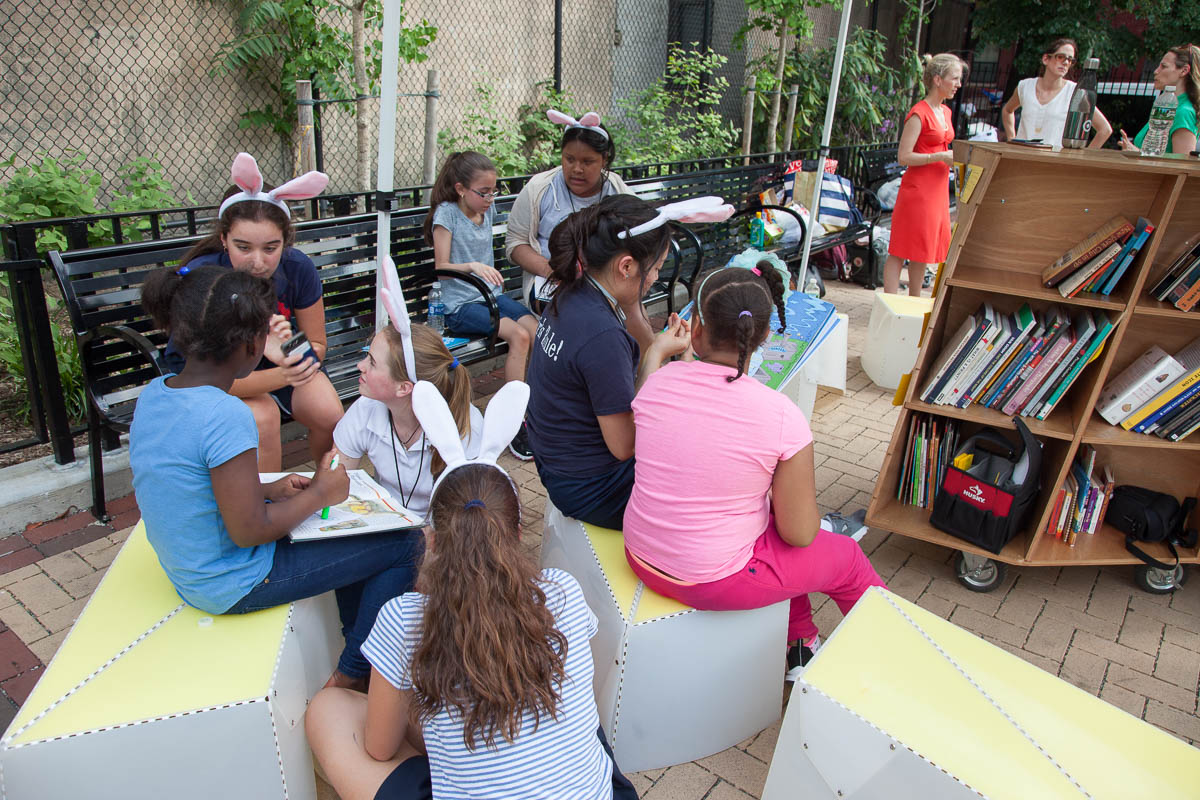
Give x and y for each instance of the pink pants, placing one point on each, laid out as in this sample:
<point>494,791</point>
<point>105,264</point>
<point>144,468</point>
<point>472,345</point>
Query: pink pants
<point>834,565</point>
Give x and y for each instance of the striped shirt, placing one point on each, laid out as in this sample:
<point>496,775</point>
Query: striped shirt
<point>561,760</point>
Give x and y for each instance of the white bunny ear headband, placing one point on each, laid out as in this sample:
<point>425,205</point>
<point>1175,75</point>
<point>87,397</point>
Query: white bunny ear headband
<point>246,176</point>
<point>393,301</point>
<point>699,209</point>
<point>590,120</point>
<point>501,421</point>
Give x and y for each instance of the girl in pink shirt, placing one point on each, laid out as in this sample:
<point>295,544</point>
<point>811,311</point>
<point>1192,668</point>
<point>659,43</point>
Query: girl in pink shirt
<point>723,513</point>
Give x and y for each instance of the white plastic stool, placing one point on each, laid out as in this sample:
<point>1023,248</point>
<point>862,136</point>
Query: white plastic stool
<point>673,684</point>
<point>151,698</point>
<point>893,337</point>
<point>886,711</point>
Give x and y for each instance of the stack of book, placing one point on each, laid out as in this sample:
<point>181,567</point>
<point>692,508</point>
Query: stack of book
<point>1097,263</point>
<point>1020,363</point>
<point>1157,394</point>
<point>930,448</point>
<point>1180,286</point>
<point>1082,499</point>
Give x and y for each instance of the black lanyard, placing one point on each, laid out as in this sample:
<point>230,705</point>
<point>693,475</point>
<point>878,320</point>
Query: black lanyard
<point>404,501</point>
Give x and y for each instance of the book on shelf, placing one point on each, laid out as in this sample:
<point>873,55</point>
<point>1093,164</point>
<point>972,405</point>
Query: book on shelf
<point>1186,258</point>
<point>952,352</point>
<point>1189,300</point>
<point>1086,250</point>
<point>1083,326</point>
<point>974,357</point>
<point>1103,326</point>
<point>1075,283</point>
<point>1189,357</point>
<point>1168,409</point>
<point>930,448</point>
<point>1137,384</point>
<point>1018,326</point>
<point>1110,484</point>
<point>1184,404</point>
<point>1186,427</point>
<point>1182,288</point>
<point>1100,277</point>
<point>1055,348</point>
<point>1016,362</point>
<point>1113,275</point>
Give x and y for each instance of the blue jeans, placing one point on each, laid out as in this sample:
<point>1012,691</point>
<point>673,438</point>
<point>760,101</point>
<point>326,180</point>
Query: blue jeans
<point>597,500</point>
<point>474,319</point>
<point>363,571</point>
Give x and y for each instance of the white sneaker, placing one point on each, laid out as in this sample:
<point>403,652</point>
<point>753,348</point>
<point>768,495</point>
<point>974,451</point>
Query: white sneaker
<point>854,526</point>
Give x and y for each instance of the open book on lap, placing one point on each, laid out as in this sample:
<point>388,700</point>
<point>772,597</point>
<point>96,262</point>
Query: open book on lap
<point>370,508</point>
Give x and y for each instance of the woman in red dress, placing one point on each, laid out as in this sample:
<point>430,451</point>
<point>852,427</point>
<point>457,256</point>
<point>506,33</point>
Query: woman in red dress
<point>921,219</point>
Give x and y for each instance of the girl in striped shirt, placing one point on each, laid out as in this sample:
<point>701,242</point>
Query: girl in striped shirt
<point>481,680</point>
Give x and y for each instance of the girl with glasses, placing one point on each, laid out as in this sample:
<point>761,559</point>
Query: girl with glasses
<point>459,226</point>
<point>1178,68</point>
<point>1043,101</point>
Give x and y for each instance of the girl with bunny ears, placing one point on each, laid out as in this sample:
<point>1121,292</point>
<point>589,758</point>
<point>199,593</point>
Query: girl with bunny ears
<point>723,513</point>
<point>220,534</point>
<point>585,370</point>
<point>254,234</point>
<point>481,678</point>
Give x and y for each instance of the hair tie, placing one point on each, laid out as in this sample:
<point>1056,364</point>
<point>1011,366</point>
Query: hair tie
<point>744,313</point>
<point>453,362</point>
<point>233,297</point>
<point>473,504</point>
<point>756,271</point>
<point>183,271</point>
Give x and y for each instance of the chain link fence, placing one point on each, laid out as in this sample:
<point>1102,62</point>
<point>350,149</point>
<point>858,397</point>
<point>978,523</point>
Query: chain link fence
<point>136,79</point>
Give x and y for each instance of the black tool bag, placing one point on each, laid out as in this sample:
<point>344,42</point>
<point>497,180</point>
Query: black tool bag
<point>1144,515</point>
<point>988,503</point>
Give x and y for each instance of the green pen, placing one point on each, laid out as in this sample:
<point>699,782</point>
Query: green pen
<point>332,465</point>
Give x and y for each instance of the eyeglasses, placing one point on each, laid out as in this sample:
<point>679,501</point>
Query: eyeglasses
<point>1063,58</point>
<point>488,195</point>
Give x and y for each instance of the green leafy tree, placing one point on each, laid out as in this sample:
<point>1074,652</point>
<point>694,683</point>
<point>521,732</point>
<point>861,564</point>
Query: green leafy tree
<point>282,41</point>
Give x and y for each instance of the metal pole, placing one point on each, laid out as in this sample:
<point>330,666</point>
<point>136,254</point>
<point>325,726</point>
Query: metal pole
<point>318,137</point>
<point>748,118</point>
<point>429,171</point>
<point>304,111</point>
<point>790,127</point>
<point>830,110</point>
<point>558,33</point>
<point>385,180</point>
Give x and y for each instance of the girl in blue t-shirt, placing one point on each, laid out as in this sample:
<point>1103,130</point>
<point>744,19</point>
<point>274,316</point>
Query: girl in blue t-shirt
<point>585,365</point>
<point>220,534</point>
<point>481,681</point>
<point>254,234</point>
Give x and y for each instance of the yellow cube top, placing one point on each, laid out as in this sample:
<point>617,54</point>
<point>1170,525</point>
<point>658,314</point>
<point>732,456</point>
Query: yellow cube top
<point>137,652</point>
<point>880,666</point>
<point>903,305</point>
<point>609,547</point>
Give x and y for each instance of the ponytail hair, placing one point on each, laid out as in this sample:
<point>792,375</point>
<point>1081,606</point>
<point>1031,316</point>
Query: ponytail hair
<point>587,241</point>
<point>939,66</point>
<point>435,364</point>
<point>459,167</point>
<point>249,210</point>
<point>490,651</point>
<point>735,308</point>
<point>209,311</point>
<point>1188,55</point>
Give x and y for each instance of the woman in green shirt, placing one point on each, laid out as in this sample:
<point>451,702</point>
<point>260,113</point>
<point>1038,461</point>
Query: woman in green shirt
<point>1178,68</point>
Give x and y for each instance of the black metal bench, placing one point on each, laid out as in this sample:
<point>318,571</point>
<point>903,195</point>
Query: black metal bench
<point>120,347</point>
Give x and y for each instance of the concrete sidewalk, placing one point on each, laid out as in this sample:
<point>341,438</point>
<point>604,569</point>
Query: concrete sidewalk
<point>1089,625</point>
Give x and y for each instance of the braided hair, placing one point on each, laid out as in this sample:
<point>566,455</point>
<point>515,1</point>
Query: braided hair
<point>735,308</point>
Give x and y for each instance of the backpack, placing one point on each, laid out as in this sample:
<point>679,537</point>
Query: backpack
<point>1144,515</point>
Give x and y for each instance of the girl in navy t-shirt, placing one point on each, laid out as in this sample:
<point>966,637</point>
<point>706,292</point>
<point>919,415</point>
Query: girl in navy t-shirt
<point>254,234</point>
<point>584,369</point>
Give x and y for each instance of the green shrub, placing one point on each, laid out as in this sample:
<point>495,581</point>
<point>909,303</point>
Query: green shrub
<point>70,372</point>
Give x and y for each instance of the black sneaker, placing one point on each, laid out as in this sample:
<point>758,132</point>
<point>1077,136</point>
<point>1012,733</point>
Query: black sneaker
<point>798,656</point>
<point>519,446</point>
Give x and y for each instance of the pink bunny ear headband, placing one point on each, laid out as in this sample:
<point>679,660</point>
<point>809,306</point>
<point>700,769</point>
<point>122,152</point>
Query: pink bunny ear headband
<point>590,120</point>
<point>246,176</point>
<point>700,209</point>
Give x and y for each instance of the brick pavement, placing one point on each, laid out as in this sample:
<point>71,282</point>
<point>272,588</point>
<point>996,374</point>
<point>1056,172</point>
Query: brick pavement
<point>1088,625</point>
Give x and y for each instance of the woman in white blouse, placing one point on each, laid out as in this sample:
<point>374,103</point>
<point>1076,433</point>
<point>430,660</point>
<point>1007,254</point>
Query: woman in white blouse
<point>1044,100</point>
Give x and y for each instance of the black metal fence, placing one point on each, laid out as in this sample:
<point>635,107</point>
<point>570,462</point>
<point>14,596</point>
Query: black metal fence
<point>49,422</point>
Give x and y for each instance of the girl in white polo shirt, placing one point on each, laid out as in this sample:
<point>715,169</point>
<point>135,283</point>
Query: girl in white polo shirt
<point>381,425</point>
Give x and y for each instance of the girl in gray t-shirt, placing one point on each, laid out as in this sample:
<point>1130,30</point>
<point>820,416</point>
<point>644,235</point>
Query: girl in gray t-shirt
<point>459,226</point>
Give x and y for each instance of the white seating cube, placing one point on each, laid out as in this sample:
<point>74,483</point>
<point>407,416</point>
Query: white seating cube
<point>150,698</point>
<point>673,684</point>
<point>893,337</point>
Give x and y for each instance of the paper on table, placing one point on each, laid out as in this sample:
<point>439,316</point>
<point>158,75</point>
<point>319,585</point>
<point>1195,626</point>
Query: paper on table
<point>370,508</point>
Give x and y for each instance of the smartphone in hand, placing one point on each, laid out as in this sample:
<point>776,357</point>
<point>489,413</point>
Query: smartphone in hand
<point>298,344</point>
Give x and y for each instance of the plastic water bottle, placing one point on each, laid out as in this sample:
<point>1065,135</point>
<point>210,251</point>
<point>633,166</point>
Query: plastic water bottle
<point>1081,108</point>
<point>437,309</point>
<point>1161,117</point>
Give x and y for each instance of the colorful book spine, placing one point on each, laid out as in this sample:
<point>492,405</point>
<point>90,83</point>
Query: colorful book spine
<point>1185,396</point>
<point>1089,248</point>
<point>1105,327</point>
<point>1140,240</point>
<point>1186,381</point>
<point>1039,373</point>
<point>1137,384</point>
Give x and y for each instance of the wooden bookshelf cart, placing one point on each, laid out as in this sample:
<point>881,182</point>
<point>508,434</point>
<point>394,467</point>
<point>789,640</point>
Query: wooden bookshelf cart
<point>1029,207</point>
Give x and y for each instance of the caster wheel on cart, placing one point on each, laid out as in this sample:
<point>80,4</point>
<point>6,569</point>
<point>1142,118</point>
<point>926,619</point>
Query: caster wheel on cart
<point>977,573</point>
<point>1159,581</point>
